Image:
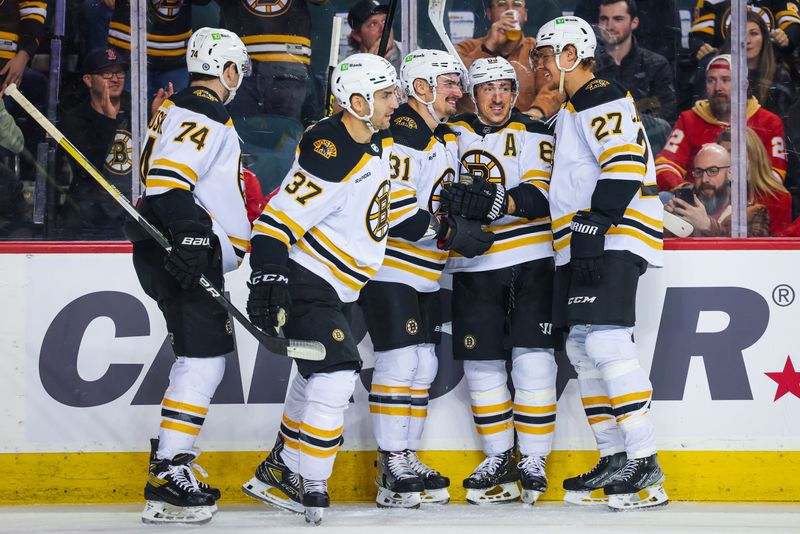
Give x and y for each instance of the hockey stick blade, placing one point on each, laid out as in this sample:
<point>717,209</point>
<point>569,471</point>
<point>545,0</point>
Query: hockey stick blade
<point>436,16</point>
<point>299,349</point>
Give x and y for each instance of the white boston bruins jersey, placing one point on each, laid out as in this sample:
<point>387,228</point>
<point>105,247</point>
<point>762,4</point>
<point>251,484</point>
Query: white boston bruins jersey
<point>519,151</point>
<point>332,210</point>
<point>192,145</point>
<point>599,136</point>
<point>422,161</point>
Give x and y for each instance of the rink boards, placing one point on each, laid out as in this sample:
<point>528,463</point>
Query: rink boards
<point>86,357</point>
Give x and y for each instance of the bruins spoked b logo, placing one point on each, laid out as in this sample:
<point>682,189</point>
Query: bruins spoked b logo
<point>267,8</point>
<point>167,9</point>
<point>120,156</point>
<point>412,328</point>
<point>470,342</point>
<point>483,164</point>
<point>378,212</point>
<point>434,204</point>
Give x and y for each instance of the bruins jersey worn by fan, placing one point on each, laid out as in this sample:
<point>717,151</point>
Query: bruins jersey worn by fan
<point>502,299</point>
<point>318,241</point>
<point>169,26</point>
<point>607,230</point>
<point>193,194</point>
<point>21,27</point>
<point>713,20</point>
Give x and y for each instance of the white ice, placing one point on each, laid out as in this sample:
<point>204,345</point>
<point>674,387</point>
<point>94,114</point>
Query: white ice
<point>679,517</point>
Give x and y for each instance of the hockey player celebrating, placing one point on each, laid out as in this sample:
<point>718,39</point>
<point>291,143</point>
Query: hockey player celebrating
<point>502,299</point>
<point>401,304</point>
<point>319,240</point>
<point>191,170</point>
<point>607,229</point>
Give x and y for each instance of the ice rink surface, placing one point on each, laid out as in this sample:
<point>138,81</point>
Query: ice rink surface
<point>679,517</point>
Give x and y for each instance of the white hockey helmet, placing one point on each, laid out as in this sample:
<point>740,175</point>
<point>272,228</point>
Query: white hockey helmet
<point>429,65</point>
<point>362,74</point>
<point>563,31</point>
<point>210,49</point>
<point>489,69</point>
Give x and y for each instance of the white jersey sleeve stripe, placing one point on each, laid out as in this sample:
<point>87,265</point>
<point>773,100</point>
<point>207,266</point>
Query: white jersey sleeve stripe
<point>296,229</point>
<point>341,254</point>
<point>184,170</point>
<point>156,186</point>
<point>355,286</point>
<point>272,232</point>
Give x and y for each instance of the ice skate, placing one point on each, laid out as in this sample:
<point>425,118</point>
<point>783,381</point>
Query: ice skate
<point>398,485</point>
<point>638,485</point>
<point>204,487</point>
<point>274,483</point>
<point>580,489</point>
<point>494,480</point>
<point>435,483</point>
<point>315,499</point>
<point>173,495</point>
<point>532,477</point>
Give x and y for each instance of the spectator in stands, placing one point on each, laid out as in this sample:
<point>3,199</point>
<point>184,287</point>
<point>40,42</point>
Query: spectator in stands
<point>100,128</point>
<point>95,16</point>
<point>645,74</point>
<point>707,119</point>
<point>546,10</point>
<point>12,204</point>
<point>659,27</point>
<point>278,38</point>
<point>709,210</point>
<point>22,30</point>
<point>792,182</point>
<point>768,81</point>
<point>763,188</point>
<point>538,96</point>
<point>367,19</point>
<point>712,21</point>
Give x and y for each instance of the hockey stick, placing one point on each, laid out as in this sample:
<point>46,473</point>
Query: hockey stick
<point>293,348</point>
<point>436,16</point>
<point>333,60</point>
<point>387,28</point>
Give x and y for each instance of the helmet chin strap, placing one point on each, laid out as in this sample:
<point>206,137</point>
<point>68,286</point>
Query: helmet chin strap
<point>231,90</point>
<point>562,78</point>
<point>368,119</point>
<point>429,105</point>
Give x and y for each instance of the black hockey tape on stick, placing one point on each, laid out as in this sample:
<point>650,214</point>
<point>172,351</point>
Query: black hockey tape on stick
<point>293,348</point>
<point>436,16</point>
<point>333,60</point>
<point>387,28</point>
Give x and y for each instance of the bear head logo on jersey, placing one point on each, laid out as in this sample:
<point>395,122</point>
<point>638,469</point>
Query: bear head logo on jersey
<point>377,218</point>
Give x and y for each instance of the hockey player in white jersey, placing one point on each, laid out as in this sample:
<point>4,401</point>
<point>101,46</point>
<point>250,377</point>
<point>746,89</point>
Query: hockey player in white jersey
<point>502,299</point>
<point>607,229</point>
<point>401,303</point>
<point>193,194</point>
<point>317,242</point>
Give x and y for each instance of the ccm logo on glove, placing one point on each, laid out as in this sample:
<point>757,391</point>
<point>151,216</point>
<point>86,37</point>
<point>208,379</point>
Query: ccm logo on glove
<point>267,278</point>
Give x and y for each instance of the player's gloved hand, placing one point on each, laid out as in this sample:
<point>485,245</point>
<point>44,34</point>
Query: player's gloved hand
<point>269,301</point>
<point>463,236</point>
<point>191,252</point>
<point>472,197</point>
<point>588,242</point>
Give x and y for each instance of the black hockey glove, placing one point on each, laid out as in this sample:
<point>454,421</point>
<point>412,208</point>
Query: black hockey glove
<point>472,197</point>
<point>269,301</point>
<point>191,252</point>
<point>586,249</point>
<point>465,237</point>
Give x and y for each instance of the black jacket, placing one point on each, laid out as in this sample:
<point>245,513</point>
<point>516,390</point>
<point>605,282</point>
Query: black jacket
<point>647,76</point>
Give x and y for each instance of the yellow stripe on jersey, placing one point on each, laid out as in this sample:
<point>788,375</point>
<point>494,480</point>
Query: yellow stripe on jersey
<point>522,427</point>
<point>180,167</point>
<point>7,55</point>
<point>186,429</point>
<point>290,424</point>
<point>357,169</point>
<point>639,216</point>
<point>408,267</point>
<point>239,243</point>
<point>630,397</point>
<point>629,167</point>
<point>9,36</point>
<point>463,124</point>
<point>516,126</point>
<point>390,410</point>
<point>387,142</point>
<point>272,232</point>
<point>166,183</point>
<point>492,408</point>
<point>436,255</point>
<point>286,58</point>
<point>266,38</point>
<point>607,154</point>
<point>494,429</point>
<point>169,38</point>
<point>638,234</point>
<point>550,408</point>
<point>296,229</point>
<point>320,432</point>
<point>397,214</point>
<point>342,255</point>
<point>354,285</point>
<point>516,224</point>
<point>535,173</point>
<point>380,388</point>
<point>562,221</point>
<point>450,138</point>
<point>305,448</point>
<point>400,194</point>
<point>169,403</point>
<point>165,53</point>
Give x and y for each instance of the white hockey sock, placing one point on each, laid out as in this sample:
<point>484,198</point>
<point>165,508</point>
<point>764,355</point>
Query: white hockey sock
<point>491,404</point>
<point>290,422</point>
<point>390,397</point>
<point>534,376</point>
<point>629,388</point>
<point>428,365</point>
<point>192,383</point>
<point>327,397</point>
<point>594,397</point>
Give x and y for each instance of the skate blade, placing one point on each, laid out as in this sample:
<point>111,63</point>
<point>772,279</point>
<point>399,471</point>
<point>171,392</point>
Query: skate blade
<point>435,496</point>
<point>649,497</point>
<point>586,498</point>
<point>391,499</point>
<point>314,514</point>
<point>271,495</point>
<point>530,496</point>
<point>496,495</point>
<point>158,513</point>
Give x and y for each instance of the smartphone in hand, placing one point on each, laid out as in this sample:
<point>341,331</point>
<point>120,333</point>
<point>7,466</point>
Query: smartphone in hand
<point>686,194</point>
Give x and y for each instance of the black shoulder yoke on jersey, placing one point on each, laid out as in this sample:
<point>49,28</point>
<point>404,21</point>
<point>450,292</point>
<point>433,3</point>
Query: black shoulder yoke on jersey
<point>595,93</point>
<point>531,125</point>
<point>204,101</point>
<point>409,128</point>
<point>518,117</point>
<point>328,152</point>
